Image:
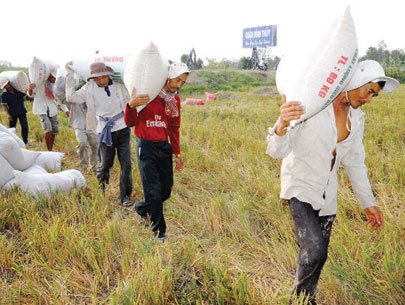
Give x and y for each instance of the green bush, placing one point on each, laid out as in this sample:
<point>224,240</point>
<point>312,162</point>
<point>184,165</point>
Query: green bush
<point>228,80</point>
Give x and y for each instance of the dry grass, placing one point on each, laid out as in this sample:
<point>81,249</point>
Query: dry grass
<point>230,239</point>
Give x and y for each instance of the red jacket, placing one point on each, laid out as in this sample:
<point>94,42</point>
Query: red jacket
<point>153,124</point>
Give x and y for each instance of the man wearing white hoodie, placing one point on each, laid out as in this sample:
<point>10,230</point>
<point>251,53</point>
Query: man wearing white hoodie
<point>312,152</point>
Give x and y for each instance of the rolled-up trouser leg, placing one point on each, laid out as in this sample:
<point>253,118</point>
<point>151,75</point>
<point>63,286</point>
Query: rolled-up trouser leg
<point>313,235</point>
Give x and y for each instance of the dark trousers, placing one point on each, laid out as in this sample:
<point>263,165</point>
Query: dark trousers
<point>121,145</point>
<point>156,168</point>
<point>24,125</point>
<point>313,234</point>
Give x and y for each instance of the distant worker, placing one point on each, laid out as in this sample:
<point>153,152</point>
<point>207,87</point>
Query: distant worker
<point>312,153</point>
<point>46,107</point>
<point>156,125</point>
<point>87,139</point>
<point>13,102</point>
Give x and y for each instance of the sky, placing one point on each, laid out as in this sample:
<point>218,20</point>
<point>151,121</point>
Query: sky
<point>64,30</point>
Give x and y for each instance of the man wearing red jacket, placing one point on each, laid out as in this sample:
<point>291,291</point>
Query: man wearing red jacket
<point>157,128</point>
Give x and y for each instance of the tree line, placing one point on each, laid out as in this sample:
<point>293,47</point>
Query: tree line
<point>393,62</point>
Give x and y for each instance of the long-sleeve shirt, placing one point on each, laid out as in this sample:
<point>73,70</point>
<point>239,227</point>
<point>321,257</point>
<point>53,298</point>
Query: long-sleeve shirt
<point>42,103</point>
<point>307,153</point>
<point>153,124</point>
<point>99,104</point>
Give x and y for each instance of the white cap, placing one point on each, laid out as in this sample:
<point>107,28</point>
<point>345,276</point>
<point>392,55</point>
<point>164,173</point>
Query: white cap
<point>370,71</point>
<point>177,69</point>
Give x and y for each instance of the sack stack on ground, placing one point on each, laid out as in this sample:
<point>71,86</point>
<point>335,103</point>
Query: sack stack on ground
<point>146,73</point>
<point>39,70</point>
<point>316,74</point>
<point>28,169</point>
<point>18,79</point>
<point>12,133</point>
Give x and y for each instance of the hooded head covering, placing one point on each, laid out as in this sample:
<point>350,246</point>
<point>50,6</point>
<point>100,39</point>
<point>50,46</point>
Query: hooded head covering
<point>177,69</point>
<point>370,71</point>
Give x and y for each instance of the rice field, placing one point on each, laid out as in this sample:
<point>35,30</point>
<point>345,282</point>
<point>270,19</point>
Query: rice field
<point>230,237</point>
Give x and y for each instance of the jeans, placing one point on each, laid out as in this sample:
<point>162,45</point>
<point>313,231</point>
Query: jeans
<point>156,168</point>
<point>23,123</point>
<point>313,234</point>
<point>121,144</point>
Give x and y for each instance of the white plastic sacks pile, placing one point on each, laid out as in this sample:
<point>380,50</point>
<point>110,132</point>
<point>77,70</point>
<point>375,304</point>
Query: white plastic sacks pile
<point>18,79</point>
<point>315,75</point>
<point>28,169</point>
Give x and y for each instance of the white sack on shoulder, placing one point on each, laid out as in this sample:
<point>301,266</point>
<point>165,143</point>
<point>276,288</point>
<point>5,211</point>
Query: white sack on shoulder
<point>316,75</point>
<point>117,62</point>
<point>47,183</point>
<point>11,132</point>
<point>19,158</point>
<point>39,70</point>
<point>6,171</point>
<point>50,160</point>
<point>146,72</point>
<point>18,79</point>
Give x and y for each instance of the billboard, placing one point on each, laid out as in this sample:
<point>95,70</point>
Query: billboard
<point>260,36</point>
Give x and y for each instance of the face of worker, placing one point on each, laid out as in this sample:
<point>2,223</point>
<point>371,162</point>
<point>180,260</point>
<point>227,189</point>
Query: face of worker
<point>363,95</point>
<point>174,84</point>
<point>102,81</point>
<point>51,79</point>
<point>9,87</point>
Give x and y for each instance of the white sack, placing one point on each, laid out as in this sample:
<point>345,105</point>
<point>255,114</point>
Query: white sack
<point>34,169</point>
<point>11,132</point>
<point>76,176</point>
<point>19,158</point>
<point>18,79</point>
<point>59,89</point>
<point>50,160</point>
<point>39,70</point>
<point>10,184</point>
<point>117,62</point>
<point>6,171</point>
<point>146,72</point>
<point>47,183</point>
<point>317,74</point>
